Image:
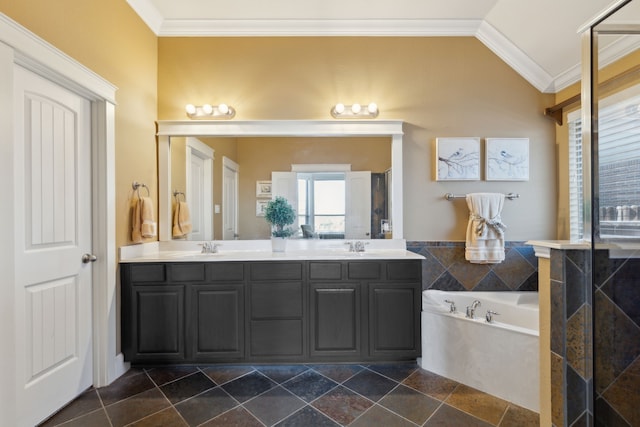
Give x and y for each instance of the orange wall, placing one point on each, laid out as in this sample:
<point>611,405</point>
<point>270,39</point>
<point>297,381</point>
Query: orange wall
<point>111,40</point>
<point>440,86</point>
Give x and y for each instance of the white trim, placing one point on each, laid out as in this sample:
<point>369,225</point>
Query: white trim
<point>35,54</point>
<point>148,12</point>
<point>603,14</point>
<point>266,128</point>
<point>317,27</point>
<point>321,167</point>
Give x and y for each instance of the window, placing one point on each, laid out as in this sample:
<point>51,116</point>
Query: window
<point>321,202</point>
<point>618,170</point>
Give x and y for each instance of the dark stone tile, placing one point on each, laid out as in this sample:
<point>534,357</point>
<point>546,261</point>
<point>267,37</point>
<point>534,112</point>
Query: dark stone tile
<point>225,373</point>
<point>97,418</point>
<point>530,284</point>
<point>342,405</point>
<point>581,259</point>
<point>132,382</point>
<point>576,395</point>
<point>624,394</point>
<point>395,371</point>
<point>582,421</point>
<point>187,387</point>
<point>447,416</point>
<point>274,405</point>
<point>167,417</point>
<point>513,270</point>
<point>468,274</point>
<point>606,416</point>
<point>446,282</point>
<point>167,374</point>
<point>338,373</point>
<point>517,416</point>
<point>578,346</point>
<point>307,416</point>
<point>205,406</point>
<point>282,373</point>
<point>529,254</point>
<point>378,416</point>
<point>623,289</point>
<point>410,404</point>
<point>370,385</point>
<point>556,259</point>
<point>604,267</point>
<point>617,342</point>
<point>557,390</point>
<point>248,386</point>
<point>576,288</point>
<point>448,255</point>
<point>238,417</point>
<point>491,282</point>
<point>310,385</point>
<point>431,269</point>
<point>432,384</point>
<point>137,407</point>
<point>478,403</point>
<point>85,403</point>
<point>557,317</point>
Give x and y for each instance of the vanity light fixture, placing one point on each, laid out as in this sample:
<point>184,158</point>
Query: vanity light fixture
<point>208,111</point>
<point>355,111</point>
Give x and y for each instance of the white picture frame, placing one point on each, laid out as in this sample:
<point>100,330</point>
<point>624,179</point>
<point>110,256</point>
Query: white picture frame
<point>261,205</point>
<point>458,159</point>
<point>263,189</point>
<point>507,159</point>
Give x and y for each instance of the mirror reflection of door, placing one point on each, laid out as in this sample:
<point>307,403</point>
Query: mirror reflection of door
<point>200,188</point>
<point>230,171</point>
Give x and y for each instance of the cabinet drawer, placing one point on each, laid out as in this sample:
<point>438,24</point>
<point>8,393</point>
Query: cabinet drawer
<point>364,270</point>
<point>276,271</point>
<point>325,270</point>
<point>404,270</point>
<point>276,300</point>
<point>226,271</point>
<point>148,273</point>
<point>187,272</point>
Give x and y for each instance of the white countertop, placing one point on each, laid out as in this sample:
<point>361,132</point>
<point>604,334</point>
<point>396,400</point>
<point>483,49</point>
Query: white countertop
<point>260,250</point>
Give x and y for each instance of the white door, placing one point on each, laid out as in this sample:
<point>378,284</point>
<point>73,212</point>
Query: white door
<point>230,171</point>
<point>52,206</point>
<point>285,184</point>
<point>200,189</point>
<point>358,195</point>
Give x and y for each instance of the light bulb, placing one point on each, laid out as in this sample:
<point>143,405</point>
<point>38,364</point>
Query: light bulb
<point>339,108</point>
<point>223,109</point>
<point>355,108</point>
<point>190,108</point>
<point>207,109</point>
<point>372,107</point>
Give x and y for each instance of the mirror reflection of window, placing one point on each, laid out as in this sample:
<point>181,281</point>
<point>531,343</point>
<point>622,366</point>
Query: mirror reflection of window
<point>322,203</point>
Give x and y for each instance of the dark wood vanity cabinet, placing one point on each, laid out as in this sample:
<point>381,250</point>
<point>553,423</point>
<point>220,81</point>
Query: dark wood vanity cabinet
<point>271,311</point>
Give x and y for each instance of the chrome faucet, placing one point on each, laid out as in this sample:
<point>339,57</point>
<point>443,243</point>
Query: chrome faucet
<point>357,246</point>
<point>452,305</point>
<point>210,247</point>
<point>471,309</point>
<point>490,314</point>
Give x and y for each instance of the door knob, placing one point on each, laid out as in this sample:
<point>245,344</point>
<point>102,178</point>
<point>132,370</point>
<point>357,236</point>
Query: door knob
<point>87,258</point>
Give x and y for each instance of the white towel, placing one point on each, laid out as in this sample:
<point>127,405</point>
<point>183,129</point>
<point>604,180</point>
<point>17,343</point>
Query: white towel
<point>485,230</point>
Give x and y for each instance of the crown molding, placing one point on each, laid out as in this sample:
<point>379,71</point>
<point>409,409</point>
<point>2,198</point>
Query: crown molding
<point>148,13</point>
<point>514,56</point>
<point>317,27</point>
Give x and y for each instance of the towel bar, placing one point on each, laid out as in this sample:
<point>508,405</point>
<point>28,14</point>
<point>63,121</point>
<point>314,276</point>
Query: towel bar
<point>136,187</point>
<point>451,196</point>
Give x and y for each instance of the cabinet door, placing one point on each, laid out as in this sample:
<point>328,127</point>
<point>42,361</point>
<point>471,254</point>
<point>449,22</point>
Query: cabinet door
<point>335,320</point>
<point>217,322</point>
<point>158,323</point>
<point>394,320</point>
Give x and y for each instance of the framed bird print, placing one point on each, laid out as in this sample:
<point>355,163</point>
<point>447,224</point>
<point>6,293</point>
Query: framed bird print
<point>458,159</point>
<point>507,159</point>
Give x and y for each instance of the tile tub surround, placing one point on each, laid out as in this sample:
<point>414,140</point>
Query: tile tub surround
<point>391,394</point>
<point>445,268</point>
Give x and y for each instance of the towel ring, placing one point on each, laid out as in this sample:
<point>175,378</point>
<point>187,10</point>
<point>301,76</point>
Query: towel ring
<point>136,187</point>
<point>177,195</point>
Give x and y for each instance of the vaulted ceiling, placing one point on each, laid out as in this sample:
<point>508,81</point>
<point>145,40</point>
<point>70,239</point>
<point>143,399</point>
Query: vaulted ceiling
<point>538,38</point>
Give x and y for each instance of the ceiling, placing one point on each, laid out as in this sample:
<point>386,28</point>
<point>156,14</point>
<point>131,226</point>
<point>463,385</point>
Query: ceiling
<point>537,38</point>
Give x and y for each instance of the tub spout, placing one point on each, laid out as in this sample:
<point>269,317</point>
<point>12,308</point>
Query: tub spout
<point>471,309</point>
<point>452,305</point>
<point>490,314</point>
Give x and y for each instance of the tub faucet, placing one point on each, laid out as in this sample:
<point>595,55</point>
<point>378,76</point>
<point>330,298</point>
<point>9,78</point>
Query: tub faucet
<point>490,314</point>
<point>452,305</point>
<point>471,309</point>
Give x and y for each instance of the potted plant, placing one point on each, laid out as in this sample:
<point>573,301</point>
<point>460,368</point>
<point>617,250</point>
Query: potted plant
<point>279,213</point>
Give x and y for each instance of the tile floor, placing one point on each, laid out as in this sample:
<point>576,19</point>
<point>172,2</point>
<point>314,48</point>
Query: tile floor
<point>388,395</point>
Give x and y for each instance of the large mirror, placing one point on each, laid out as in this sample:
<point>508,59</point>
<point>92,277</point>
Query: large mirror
<point>225,170</point>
